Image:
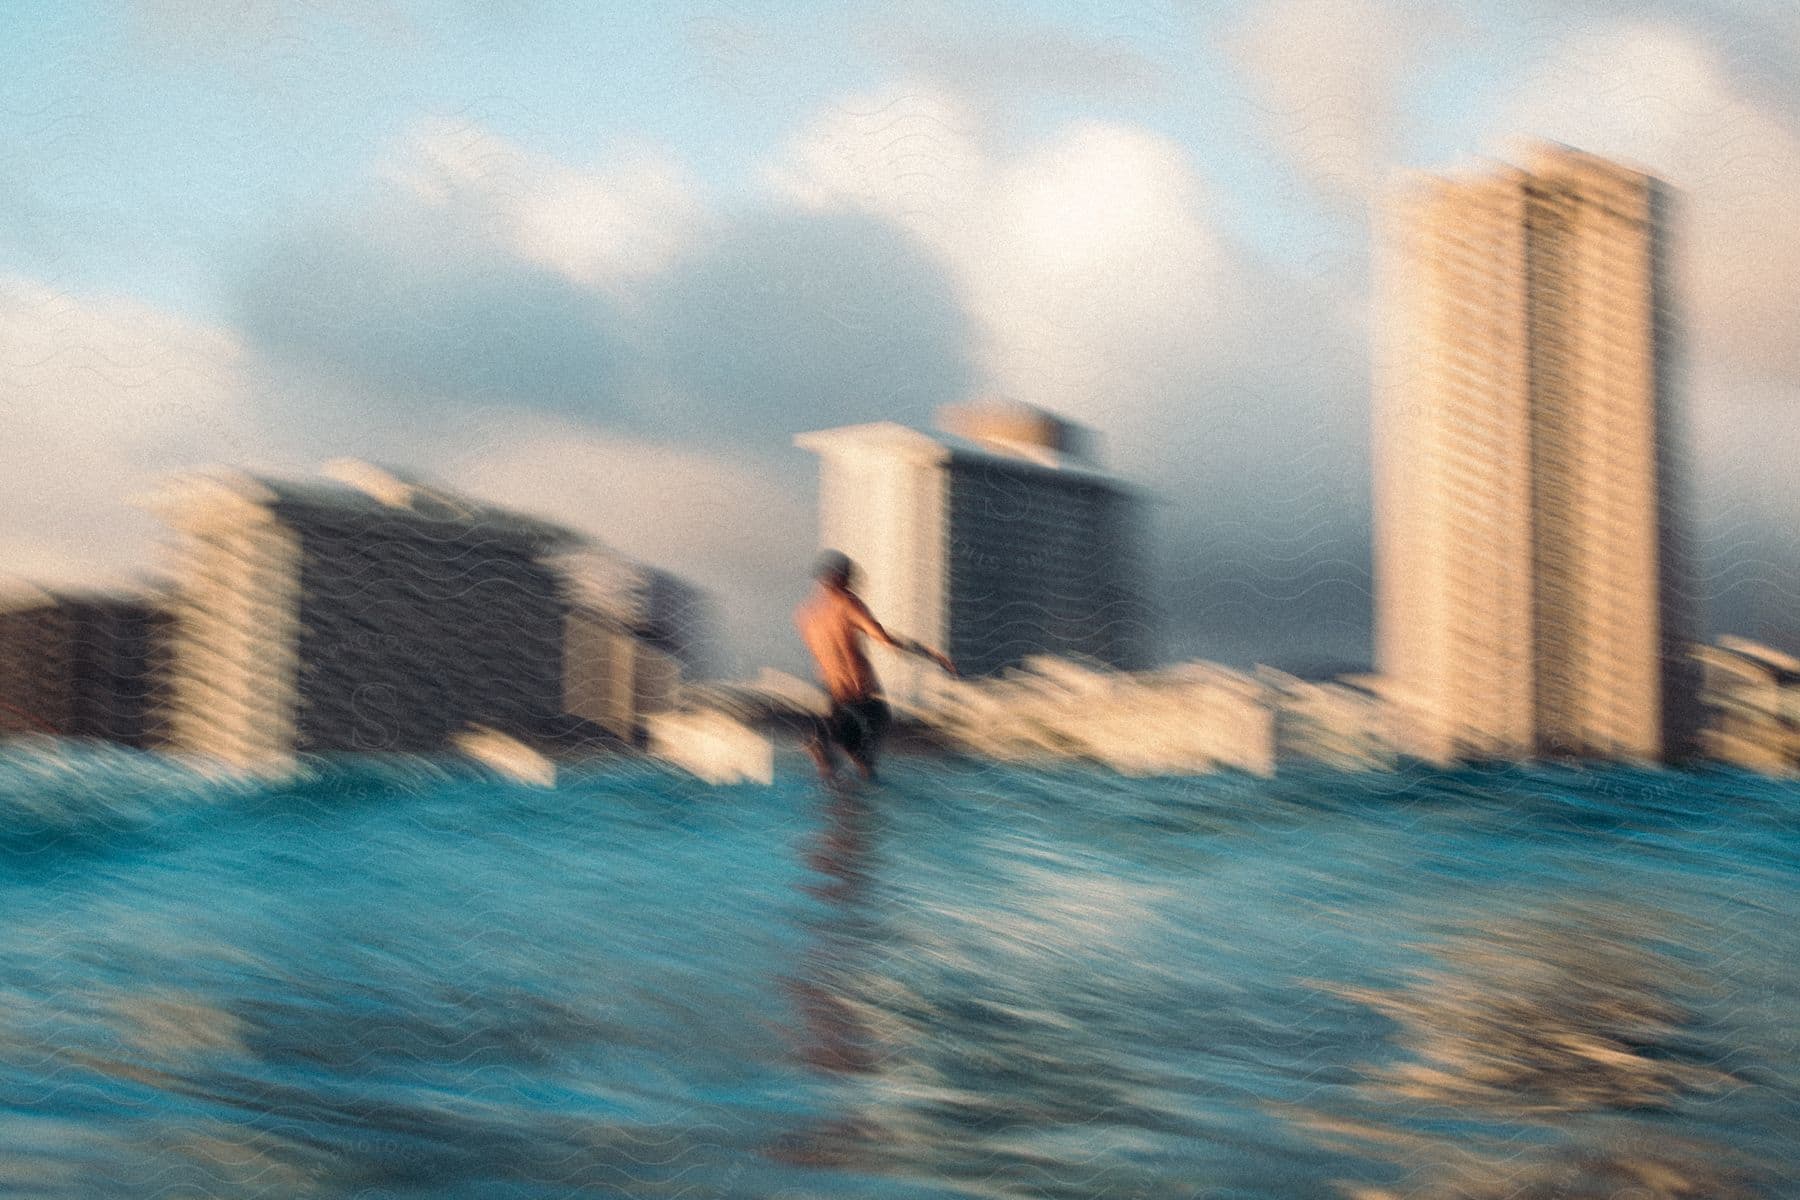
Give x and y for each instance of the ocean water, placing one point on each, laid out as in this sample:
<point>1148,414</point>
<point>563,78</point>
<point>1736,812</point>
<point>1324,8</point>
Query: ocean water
<point>389,980</point>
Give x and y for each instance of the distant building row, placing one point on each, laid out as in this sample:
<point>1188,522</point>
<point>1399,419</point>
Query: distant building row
<point>1190,718</point>
<point>1201,717</point>
<point>364,612</point>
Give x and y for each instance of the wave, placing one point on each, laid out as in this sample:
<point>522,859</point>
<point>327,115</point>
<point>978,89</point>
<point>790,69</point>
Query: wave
<point>57,790</point>
<point>78,792</point>
<point>75,791</point>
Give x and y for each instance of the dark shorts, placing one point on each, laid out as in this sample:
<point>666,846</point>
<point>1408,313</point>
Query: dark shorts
<point>855,725</point>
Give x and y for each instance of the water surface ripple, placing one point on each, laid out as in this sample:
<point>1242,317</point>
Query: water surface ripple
<point>390,980</point>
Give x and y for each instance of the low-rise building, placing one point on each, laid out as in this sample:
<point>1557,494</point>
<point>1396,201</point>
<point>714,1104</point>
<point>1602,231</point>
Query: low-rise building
<point>1344,723</point>
<point>633,635</point>
<point>615,676</point>
<point>367,611</point>
<point>80,664</point>
<point>1191,718</point>
<point>1750,701</point>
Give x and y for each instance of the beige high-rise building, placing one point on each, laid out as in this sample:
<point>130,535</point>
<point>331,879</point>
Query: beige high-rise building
<point>1531,597</point>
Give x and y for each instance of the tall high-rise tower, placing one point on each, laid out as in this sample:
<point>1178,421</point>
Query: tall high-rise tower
<point>1530,573</point>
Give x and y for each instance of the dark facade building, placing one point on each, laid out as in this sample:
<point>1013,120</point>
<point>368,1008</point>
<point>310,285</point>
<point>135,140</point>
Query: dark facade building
<point>370,613</point>
<point>80,665</point>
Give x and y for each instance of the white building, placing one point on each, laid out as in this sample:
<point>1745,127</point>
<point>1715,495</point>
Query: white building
<point>994,541</point>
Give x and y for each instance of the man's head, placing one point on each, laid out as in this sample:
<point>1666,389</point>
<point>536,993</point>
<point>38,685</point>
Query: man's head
<point>833,568</point>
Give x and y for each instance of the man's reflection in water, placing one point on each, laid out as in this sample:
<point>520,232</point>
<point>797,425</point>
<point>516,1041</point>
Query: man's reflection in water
<point>833,1038</point>
<point>834,1041</point>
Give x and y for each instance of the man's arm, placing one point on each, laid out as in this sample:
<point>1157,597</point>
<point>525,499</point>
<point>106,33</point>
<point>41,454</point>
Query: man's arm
<point>865,620</point>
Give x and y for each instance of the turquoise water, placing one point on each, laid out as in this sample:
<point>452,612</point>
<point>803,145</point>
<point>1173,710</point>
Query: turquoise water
<point>387,981</point>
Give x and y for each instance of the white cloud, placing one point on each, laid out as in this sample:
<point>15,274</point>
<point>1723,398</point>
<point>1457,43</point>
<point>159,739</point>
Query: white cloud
<point>600,228</point>
<point>1088,262</point>
<point>106,397</point>
<point>737,527</point>
<point>1328,77</point>
<point>911,150</point>
<point>1016,59</point>
<point>101,396</point>
<point>1660,97</point>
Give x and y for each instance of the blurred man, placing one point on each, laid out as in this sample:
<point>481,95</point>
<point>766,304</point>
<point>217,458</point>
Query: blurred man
<point>832,622</point>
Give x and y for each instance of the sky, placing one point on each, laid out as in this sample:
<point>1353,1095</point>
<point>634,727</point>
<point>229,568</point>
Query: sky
<point>601,263</point>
